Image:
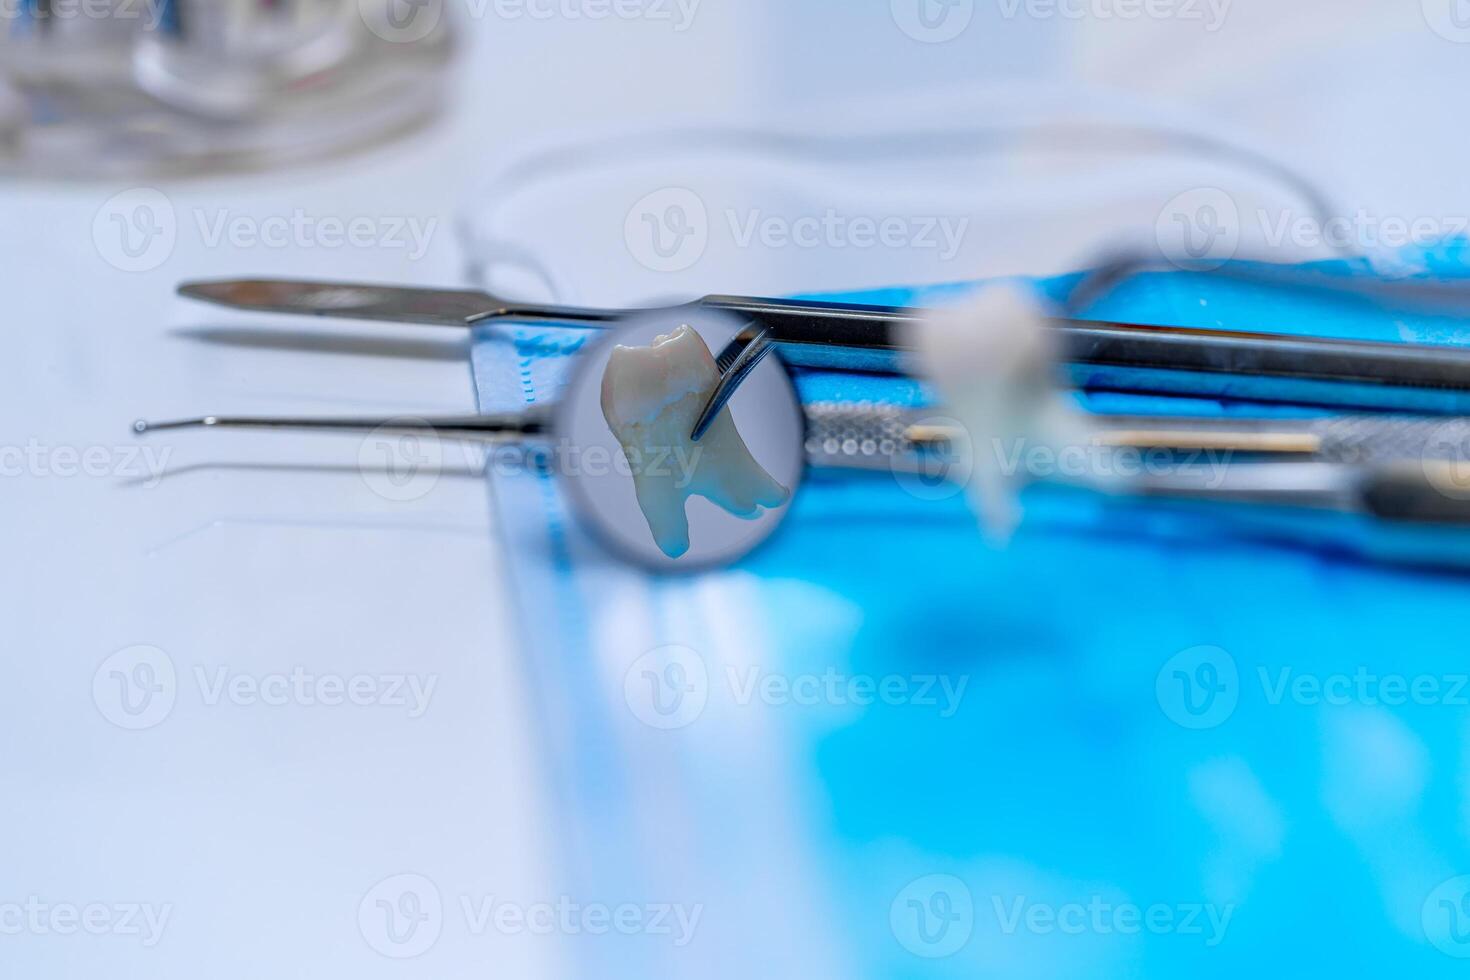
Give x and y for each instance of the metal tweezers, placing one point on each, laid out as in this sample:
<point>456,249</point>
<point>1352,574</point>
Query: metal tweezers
<point>1104,355</point>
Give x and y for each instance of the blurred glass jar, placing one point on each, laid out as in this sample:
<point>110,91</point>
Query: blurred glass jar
<point>100,87</point>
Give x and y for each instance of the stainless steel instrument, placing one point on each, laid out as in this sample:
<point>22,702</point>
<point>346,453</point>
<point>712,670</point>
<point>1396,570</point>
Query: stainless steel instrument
<point>1393,468</point>
<point>1258,366</point>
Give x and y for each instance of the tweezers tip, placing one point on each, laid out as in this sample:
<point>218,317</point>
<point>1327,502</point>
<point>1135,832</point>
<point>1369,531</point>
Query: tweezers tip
<point>221,291</point>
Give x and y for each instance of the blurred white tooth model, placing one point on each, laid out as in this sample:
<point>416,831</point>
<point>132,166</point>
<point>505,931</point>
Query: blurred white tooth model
<point>651,398</point>
<point>993,361</point>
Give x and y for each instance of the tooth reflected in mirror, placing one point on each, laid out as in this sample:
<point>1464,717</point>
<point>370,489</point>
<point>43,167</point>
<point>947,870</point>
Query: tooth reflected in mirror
<point>651,397</point>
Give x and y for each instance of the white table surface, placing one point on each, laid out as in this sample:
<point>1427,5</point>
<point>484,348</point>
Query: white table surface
<point>263,827</point>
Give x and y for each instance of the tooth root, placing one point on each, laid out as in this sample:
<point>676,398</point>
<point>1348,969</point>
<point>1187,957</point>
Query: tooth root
<point>651,397</point>
<point>737,483</point>
<point>993,363</point>
<point>662,504</point>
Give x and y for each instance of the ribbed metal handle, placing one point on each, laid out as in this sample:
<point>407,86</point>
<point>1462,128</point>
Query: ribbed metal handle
<point>863,433</point>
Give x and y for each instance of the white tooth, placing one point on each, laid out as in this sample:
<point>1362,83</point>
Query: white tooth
<point>993,363</point>
<point>651,398</point>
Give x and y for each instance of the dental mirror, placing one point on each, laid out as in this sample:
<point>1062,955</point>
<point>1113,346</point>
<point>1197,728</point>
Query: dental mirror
<point>633,473</point>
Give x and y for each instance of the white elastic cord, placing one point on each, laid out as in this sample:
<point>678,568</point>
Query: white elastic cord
<point>843,151</point>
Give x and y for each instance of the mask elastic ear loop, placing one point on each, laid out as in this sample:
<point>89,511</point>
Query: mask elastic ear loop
<point>486,248</point>
<point>493,256</point>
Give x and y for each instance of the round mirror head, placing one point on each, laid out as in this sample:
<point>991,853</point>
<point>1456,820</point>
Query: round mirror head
<point>633,471</point>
